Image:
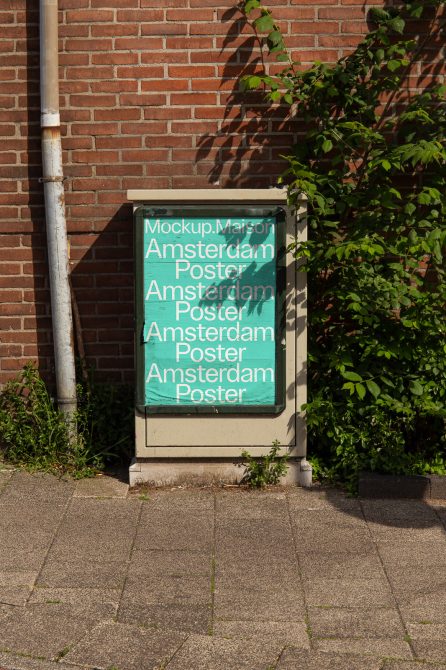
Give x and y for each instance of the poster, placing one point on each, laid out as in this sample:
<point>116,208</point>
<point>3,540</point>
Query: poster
<point>210,314</point>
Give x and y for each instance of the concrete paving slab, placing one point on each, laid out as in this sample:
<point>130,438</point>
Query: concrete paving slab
<point>174,531</point>
<point>296,659</point>
<point>324,539</point>
<point>307,519</point>
<point>427,631</point>
<point>86,574</point>
<point>38,486</point>
<point>342,622</point>
<point>349,592</point>
<point>318,565</point>
<point>384,534</point>
<point>410,665</point>
<point>210,653</point>
<point>40,634</point>
<point>91,603</point>
<point>241,504</point>
<point>188,618</point>
<point>412,555</point>
<point>101,486</point>
<point>289,633</point>
<point>408,583</point>
<point>394,648</point>
<point>426,608</point>
<point>125,647</point>
<point>399,513</point>
<point>152,589</point>
<point>14,662</point>
<point>254,605</point>
<point>96,529</point>
<point>166,562</point>
<point>15,595</point>
<point>179,500</point>
<point>322,498</point>
<point>430,650</point>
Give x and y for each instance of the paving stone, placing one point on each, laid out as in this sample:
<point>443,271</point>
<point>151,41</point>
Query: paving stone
<point>95,530</point>
<point>92,603</point>
<point>125,647</point>
<point>292,633</point>
<point>427,631</point>
<point>165,562</point>
<point>101,487</point>
<point>174,531</point>
<point>150,590</point>
<point>211,653</point>
<point>412,555</point>
<point>38,486</point>
<point>331,565</point>
<point>296,659</point>
<point>395,648</point>
<point>410,665</point>
<point>256,565</point>
<point>324,539</point>
<point>430,650</point>
<point>241,504</point>
<point>320,498</point>
<point>429,607</point>
<point>343,622</point>
<point>273,583</point>
<point>189,618</point>
<point>181,500</point>
<point>97,574</point>
<point>383,534</point>
<point>15,595</point>
<point>40,634</point>
<point>349,593</point>
<point>25,663</point>
<point>408,583</point>
<point>254,605</point>
<point>399,513</point>
<point>252,534</point>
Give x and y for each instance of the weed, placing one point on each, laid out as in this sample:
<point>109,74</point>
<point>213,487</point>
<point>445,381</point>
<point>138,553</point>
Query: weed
<point>264,470</point>
<point>35,434</point>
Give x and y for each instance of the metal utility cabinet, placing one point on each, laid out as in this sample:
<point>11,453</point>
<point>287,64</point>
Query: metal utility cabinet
<point>220,332</point>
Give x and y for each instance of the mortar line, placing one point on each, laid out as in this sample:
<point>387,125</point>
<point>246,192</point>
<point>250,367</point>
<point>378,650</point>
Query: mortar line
<point>56,533</point>
<point>397,607</point>
<point>127,572</point>
<point>299,573</point>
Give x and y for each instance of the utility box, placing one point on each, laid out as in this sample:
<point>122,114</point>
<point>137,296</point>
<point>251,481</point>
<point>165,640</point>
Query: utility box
<point>220,332</point>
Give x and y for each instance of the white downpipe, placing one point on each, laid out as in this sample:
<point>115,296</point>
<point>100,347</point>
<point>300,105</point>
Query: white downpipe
<point>55,213</point>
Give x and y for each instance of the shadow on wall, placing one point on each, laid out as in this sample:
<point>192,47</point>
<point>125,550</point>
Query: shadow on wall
<point>254,136</point>
<point>102,272</point>
<point>247,150</point>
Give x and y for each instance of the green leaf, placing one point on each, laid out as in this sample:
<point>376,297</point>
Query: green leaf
<point>415,387</point>
<point>373,388</point>
<point>397,25</point>
<point>327,145</point>
<point>394,65</point>
<point>264,24</point>
<point>352,376</point>
<point>250,5</point>
<point>360,390</point>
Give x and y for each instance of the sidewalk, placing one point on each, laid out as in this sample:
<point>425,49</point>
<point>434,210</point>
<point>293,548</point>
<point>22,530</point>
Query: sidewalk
<point>92,576</point>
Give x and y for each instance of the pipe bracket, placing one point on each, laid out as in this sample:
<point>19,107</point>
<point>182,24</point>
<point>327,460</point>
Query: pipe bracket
<point>46,180</point>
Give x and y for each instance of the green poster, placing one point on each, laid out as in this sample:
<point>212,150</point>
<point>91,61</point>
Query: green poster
<point>210,311</point>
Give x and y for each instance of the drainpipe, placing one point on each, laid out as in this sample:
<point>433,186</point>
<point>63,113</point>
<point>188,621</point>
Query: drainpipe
<point>55,214</point>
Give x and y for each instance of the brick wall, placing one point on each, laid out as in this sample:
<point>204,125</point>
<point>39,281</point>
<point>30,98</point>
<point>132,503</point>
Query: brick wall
<point>148,100</point>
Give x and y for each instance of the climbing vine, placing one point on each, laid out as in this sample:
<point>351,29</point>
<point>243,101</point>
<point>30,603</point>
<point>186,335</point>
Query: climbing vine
<point>372,164</point>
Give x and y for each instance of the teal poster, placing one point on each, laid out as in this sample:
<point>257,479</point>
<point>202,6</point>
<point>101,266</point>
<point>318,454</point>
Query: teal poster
<point>209,311</point>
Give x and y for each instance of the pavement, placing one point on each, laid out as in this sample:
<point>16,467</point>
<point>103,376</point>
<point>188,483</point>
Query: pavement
<point>95,576</point>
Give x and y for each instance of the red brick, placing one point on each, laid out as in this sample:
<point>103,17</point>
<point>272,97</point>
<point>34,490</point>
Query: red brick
<point>141,72</point>
<point>90,16</point>
<point>140,15</point>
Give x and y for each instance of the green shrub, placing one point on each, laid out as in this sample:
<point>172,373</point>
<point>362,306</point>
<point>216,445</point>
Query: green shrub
<point>373,165</point>
<point>35,434</point>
